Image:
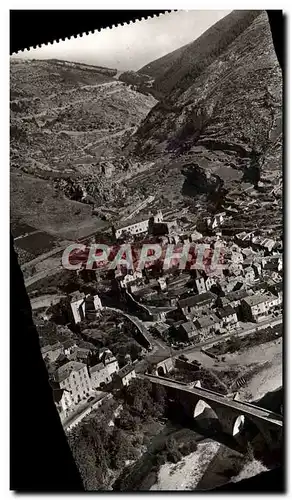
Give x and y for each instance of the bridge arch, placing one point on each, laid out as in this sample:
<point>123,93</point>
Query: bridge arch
<point>200,407</point>
<point>238,425</point>
<point>160,371</point>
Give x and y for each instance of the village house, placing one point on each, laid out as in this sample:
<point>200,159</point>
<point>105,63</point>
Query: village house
<point>233,298</point>
<point>228,316</point>
<point>139,226</point>
<point>161,329</point>
<point>266,244</point>
<point>196,236</point>
<point>162,283</point>
<point>235,269</point>
<point>63,401</point>
<point>80,354</point>
<point>85,307</point>
<point>235,254</point>
<point>273,263</point>
<point>73,377</point>
<point>208,324</point>
<point>160,313</point>
<point>52,352</point>
<point>196,303</point>
<point>249,274</point>
<point>277,290</point>
<point>188,331</point>
<point>231,284</point>
<point>257,269</point>
<point>106,357</point>
<point>244,239</point>
<point>160,364</point>
<point>256,307</point>
<point>171,226</point>
<point>130,277</point>
<point>216,221</point>
<point>199,286</point>
<point>124,376</point>
<point>68,346</point>
<point>203,283</point>
<point>210,281</point>
<point>99,374</point>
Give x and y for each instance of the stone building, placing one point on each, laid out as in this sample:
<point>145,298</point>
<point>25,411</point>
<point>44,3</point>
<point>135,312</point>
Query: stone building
<point>256,307</point>
<point>74,378</point>
<point>99,374</point>
<point>85,307</point>
<point>137,227</point>
<point>195,304</point>
<point>124,376</point>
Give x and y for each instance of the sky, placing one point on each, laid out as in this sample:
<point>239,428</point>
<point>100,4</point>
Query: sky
<point>130,47</point>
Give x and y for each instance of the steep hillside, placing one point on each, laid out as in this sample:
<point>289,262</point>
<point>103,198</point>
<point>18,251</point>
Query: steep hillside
<point>181,67</point>
<point>69,122</point>
<point>226,113</point>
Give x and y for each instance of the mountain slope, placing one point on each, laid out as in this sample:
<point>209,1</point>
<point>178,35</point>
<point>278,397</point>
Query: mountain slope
<point>184,65</point>
<point>68,122</point>
<point>231,107</point>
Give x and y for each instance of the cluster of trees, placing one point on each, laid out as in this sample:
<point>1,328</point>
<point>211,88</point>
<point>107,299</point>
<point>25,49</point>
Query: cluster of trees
<point>99,448</point>
<point>208,379</point>
<point>121,344</point>
<point>143,402</point>
<point>49,333</point>
<point>173,452</point>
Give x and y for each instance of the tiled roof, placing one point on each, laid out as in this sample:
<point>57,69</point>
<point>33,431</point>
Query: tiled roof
<point>197,299</point>
<point>126,370</point>
<point>64,371</point>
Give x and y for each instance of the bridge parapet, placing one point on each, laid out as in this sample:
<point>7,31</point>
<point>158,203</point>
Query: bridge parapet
<point>230,414</point>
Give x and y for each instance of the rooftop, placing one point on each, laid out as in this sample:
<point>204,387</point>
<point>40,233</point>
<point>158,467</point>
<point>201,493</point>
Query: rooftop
<point>205,321</point>
<point>256,299</point>
<point>161,327</point>
<point>176,292</point>
<point>195,300</point>
<point>188,326</point>
<point>126,370</point>
<point>153,359</point>
<point>134,220</point>
<point>77,296</point>
<point>52,347</point>
<point>68,343</point>
<point>223,312</point>
<point>64,371</point>
<point>237,295</point>
<point>97,368</point>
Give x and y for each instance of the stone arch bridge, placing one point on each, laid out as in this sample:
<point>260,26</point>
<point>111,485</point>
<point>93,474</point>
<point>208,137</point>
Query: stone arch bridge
<point>231,414</point>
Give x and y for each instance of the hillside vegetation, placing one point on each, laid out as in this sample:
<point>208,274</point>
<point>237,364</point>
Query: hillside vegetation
<point>180,68</point>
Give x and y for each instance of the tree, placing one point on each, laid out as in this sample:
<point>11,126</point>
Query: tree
<point>90,456</point>
<point>121,449</point>
<point>126,420</point>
